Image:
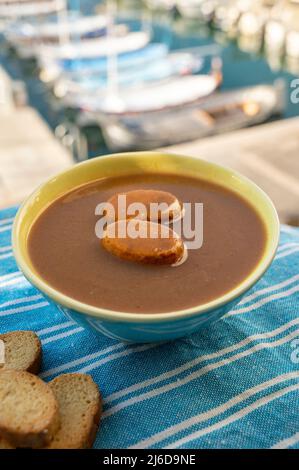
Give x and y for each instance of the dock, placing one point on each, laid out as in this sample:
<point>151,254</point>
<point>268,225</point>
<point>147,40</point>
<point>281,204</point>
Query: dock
<point>267,154</point>
<point>29,152</point>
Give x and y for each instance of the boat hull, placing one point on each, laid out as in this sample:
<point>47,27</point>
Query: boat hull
<point>173,65</point>
<point>31,9</point>
<point>186,124</point>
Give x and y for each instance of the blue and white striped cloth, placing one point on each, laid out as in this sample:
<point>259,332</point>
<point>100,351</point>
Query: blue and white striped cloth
<point>234,384</point>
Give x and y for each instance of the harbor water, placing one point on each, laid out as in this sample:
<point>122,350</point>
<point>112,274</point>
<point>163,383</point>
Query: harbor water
<point>240,67</point>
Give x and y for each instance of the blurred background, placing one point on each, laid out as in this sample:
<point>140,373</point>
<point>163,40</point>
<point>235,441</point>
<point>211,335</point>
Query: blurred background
<point>212,78</point>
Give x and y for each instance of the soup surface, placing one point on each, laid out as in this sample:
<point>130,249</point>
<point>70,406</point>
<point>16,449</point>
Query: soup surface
<point>66,252</point>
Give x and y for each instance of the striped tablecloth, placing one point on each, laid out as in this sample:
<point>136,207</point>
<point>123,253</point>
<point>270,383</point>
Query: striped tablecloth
<point>232,385</point>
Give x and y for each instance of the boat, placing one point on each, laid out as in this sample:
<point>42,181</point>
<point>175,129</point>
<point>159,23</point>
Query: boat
<point>27,36</point>
<point>274,37</point>
<point>252,23</point>
<point>87,55</point>
<point>226,17</point>
<point>67,52</point>
<point>287,33</point>
<point>154,98</point>
<point>150,99</point>
<point>196,9</point>
<point>94,48</point>
<point>160,4</point>
<point>292,44</point>
<point>77,69</point>
<point>220,112</point>
<point>12,9</point>
<point>173,64</point>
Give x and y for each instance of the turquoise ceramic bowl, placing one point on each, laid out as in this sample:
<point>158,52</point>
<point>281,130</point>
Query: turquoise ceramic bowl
<point>134,327</point>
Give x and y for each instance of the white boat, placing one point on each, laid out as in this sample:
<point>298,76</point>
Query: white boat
<point>166,67</point>
<point>292,44</point>
<point>189,8</point>
<point>220,112</point>
<point>252,23</point>
<point>274,37</point>
<point>152,100</point>
<point>88,54</point>
<point>226,17</point>
<point>196,9</point>
<point>168,95</point>
<point>73,25</point>
<point>160,4</point>
<point>94,48</point>
<point>12,9</point>
<point>27,37</point>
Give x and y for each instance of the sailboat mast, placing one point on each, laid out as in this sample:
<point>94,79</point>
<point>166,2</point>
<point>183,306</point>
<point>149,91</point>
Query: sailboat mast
<point>62,19</point>
<point>112,68</point>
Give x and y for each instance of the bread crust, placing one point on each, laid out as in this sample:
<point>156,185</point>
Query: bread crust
<point>23,351</point>
<point>80,406</point>
<point>29,414</point>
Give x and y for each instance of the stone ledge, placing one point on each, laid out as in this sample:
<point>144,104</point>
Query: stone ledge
<point>267,154</point>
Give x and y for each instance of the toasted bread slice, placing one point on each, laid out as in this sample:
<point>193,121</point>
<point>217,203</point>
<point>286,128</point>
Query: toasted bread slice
<point>156,206</point>
<point>22,351</point>
<point>143,242</point>
<point>80,410</point>
<point>29,415</point>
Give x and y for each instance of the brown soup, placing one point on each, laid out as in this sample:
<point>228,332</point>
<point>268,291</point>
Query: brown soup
<point>67,254</point>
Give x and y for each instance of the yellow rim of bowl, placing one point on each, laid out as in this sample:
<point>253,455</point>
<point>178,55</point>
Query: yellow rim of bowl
<point>115,316</point>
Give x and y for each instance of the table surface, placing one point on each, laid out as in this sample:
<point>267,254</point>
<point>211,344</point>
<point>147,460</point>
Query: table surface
<point>233,384</point>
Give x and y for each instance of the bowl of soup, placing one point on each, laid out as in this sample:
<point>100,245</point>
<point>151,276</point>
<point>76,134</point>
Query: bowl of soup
<point>142,290</point>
